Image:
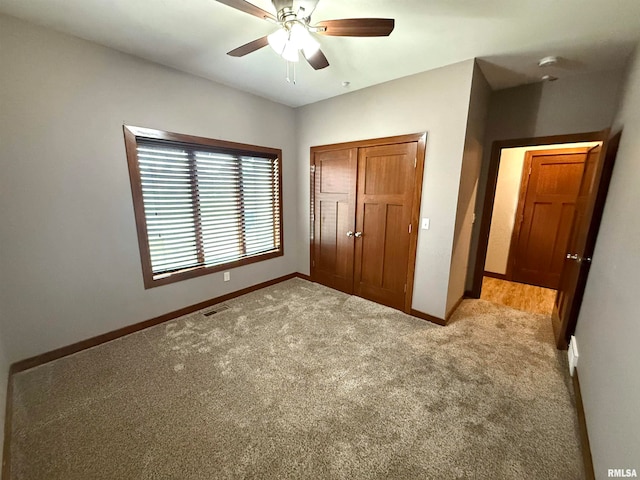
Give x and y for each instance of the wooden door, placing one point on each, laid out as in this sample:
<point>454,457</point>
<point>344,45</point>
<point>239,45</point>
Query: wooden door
<point>386,178</point>
<point>586,222</point>
<point>334,209</point>
<point>549,190</point>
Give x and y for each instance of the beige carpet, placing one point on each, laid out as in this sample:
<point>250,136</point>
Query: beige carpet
<point>300,381</point>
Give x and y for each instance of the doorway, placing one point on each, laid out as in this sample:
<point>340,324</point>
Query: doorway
<point>534,203</point>
<point>579,211</point>
<point>550,185</point>
<point>365,206</point>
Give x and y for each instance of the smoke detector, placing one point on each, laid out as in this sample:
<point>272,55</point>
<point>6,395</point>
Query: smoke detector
<point>548,61</point>
<point>548,78</point>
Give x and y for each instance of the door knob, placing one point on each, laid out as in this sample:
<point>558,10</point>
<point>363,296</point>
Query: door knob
<point>357,234</point>
<point>349,233</point>
<point>578,258</point>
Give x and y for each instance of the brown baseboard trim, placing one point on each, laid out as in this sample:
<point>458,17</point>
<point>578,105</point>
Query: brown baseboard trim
<point>6,447</point>
<point>429,318</point>
<point>582,425</point>
<point>453,309</point>
<point>121,332</point>
<point>106,337</point>
<point>499,276</point>
<point>437,320</point>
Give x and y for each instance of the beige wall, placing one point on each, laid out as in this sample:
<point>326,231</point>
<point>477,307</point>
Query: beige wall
<point>575,104</point>
<point>436,102</point>
<point>470,172</point>
<point>506,203</point>
<point>608,328</point>
<point>69,259</point>
<point>504,209</point>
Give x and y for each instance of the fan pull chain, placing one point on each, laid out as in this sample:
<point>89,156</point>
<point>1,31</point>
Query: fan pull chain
<point>288,77</point>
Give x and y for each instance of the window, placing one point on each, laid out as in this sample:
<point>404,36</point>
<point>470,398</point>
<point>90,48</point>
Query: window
<point>202,205</point>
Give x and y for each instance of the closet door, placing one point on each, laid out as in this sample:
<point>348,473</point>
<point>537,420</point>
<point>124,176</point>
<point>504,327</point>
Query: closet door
<point>386,179</point>
<point>334,210</point>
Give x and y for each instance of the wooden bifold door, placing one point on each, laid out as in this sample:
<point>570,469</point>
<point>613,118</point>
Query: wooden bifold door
<point>366,202</point>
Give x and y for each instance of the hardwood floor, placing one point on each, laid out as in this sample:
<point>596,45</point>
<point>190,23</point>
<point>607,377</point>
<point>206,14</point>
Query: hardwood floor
<point>518,295</point>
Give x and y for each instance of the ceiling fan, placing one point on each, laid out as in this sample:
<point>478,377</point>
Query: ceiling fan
<point>294,33</point>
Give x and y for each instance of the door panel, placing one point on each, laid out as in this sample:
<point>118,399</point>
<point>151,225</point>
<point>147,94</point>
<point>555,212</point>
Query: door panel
<point>373,222</point>
<point>552,186</point>
<point>386,181</point>
<point>381,174</point>
<point>334,212</point>
<point>335,219</point>
<point>396,247</point>
<point>586,222</point>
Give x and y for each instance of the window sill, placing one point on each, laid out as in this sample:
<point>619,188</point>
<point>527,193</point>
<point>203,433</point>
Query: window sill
<point>166,278</point>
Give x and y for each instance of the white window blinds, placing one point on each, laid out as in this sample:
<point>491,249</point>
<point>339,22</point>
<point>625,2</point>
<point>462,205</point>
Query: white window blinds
<point>207,207</point>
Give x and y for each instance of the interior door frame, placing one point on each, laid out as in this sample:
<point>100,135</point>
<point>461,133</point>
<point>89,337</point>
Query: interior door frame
<point>490,192</point>
<point>522,196</point>
<point>421,139</point>
<point>564,329</point>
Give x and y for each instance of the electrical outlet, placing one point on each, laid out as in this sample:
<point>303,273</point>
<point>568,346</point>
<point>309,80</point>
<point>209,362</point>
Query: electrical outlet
<point>227,276</point>
<point>573,354</point>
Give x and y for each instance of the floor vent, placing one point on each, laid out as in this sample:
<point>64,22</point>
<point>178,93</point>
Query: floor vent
<point>216,309</point>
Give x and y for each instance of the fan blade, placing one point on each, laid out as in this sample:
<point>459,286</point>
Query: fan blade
<point>248,8</point>
<point>357,27</point>
<point>318,61</point>
<point>249,47</point>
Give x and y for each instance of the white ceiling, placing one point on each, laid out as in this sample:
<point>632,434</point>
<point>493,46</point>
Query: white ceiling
<point>509,36</point>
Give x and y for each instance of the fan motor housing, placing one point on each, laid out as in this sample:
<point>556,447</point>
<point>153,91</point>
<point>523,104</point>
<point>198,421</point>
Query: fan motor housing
<point>308,6</point>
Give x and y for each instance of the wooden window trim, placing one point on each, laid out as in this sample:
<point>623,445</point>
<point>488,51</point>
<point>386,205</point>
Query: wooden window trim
<point>131,136</point>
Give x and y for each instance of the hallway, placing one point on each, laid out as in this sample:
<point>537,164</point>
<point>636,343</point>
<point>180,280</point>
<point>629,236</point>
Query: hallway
<point>528,298</point>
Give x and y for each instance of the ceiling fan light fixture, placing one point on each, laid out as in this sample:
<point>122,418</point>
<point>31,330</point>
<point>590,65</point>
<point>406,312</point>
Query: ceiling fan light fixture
<point>288,41</point>
<point>296,31</point>
<point>303,40</point>
<point>278,40</point>
<point>290,52</point>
